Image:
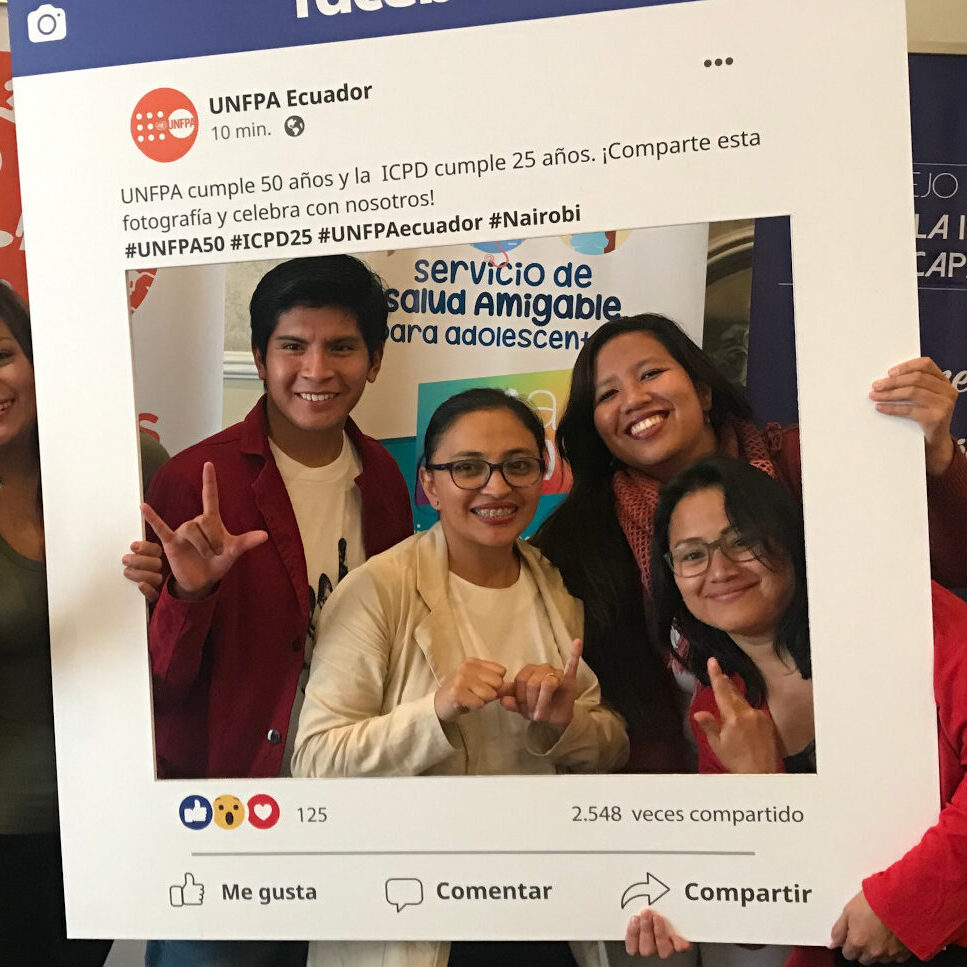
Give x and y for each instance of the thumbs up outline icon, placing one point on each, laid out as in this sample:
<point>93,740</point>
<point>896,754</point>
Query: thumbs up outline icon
<point>187,894</point>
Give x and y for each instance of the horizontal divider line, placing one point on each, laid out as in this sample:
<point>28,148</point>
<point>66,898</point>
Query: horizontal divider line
<point>491,852</point>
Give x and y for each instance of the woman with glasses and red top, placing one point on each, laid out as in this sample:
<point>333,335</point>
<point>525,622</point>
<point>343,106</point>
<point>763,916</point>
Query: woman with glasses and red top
<point>729,573</point>
<point>646,402</point>
<point>458,652</point>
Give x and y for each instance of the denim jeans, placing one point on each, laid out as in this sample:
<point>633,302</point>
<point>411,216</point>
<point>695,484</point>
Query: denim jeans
<point>225,953</point>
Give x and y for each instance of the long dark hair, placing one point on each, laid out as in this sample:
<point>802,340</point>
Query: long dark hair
<point>584,539</point>
<point>758,507</point>
<point>14,312</point>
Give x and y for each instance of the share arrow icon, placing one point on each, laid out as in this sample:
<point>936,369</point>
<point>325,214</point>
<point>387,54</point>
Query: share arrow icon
<point>651,890</point>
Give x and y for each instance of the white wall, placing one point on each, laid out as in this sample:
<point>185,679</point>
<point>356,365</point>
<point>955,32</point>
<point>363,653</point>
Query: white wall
<point>937,26</point>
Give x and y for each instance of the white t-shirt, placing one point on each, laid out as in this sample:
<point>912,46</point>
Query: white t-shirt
<point>509,626</point>
<point>328,510</point>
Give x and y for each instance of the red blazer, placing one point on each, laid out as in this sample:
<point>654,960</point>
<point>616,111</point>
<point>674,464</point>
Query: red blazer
<point>225,669</point>
<point>922,897</point>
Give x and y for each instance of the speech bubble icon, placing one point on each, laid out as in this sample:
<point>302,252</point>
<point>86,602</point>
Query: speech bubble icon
<point>402,892</point>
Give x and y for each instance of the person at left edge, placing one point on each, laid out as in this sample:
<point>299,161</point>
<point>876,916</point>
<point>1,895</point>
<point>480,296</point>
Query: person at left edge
<point>311,497</point>
<point>33,929</point>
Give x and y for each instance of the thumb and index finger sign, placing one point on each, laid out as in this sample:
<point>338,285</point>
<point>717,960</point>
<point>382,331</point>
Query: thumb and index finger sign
<point>571,668</point>
<point>209,505</point>
<point>154,521</point>
<point>727,696</point>
<point>209,490</point>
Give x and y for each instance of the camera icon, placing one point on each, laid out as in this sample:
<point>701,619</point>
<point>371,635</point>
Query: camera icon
<point>45,23</point>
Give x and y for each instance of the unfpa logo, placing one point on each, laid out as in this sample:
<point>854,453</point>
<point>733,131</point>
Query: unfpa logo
<point>164,124</point>
<point>331,7</point>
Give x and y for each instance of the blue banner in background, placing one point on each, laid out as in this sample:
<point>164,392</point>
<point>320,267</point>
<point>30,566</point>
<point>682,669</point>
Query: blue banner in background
<point>771,385</point>
<point>938,107</point>
<point>78,34</point>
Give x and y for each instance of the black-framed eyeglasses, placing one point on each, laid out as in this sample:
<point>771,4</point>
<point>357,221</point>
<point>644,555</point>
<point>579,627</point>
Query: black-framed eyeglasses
<point>693,558</point>
<point>472,473</point>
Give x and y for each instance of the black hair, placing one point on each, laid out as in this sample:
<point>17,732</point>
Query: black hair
<point>473,401</point>
<point>14,312</point>
<point>584,539</point>
<point>320,282</point>
<point>578,439</point>
<point>762,509</point>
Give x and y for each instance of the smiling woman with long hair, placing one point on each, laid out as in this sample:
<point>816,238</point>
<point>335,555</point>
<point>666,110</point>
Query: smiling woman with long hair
<point>645,402</point>
<point>458,652</point>
<point>729,574</point>
<point>32,922</point>
<point>32,926</point>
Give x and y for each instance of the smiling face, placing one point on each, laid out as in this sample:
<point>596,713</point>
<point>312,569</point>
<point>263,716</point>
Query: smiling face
<point>496,514</point>
<point>647,411</point>
<point>315,369</point>
<point>18,400</point>
<point>745,600</point>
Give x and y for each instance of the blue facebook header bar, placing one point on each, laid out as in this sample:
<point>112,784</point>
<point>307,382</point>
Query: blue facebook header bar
<point>77,34</point>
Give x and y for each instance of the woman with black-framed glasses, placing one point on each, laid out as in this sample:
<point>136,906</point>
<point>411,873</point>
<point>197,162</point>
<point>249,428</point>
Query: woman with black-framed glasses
<point>729,572</point>
<point>458,652</point>
<point>645,402</point>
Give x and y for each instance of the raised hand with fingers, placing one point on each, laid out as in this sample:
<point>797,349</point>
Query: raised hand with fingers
<point>473,684</point>
<point>743,738</point>
<point>865,937</point>
<point>649,933</point>
<point>201,551</point>
<point>543,693</point>
<point>918,390</point>
<point>143,567</point>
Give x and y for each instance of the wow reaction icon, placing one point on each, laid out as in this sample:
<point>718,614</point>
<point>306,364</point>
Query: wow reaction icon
<point>229,812</point>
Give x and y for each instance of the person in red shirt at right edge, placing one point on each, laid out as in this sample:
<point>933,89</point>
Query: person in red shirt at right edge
<point>729,573</point>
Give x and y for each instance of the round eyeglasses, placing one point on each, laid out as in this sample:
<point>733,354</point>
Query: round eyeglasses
<point>693,557</point>
<point>472,473</point>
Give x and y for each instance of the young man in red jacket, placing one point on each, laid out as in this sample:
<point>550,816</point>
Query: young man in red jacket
<point>258,524</point>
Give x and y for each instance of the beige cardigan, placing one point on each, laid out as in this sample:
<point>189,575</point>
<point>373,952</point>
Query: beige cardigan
<point>386,639</point>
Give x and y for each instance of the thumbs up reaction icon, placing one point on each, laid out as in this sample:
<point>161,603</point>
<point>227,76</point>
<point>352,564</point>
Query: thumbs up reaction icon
<point>195,812</point>
<point>187,894</point>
